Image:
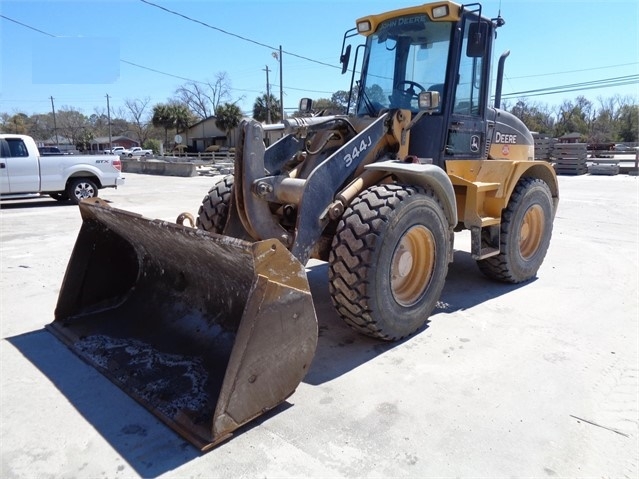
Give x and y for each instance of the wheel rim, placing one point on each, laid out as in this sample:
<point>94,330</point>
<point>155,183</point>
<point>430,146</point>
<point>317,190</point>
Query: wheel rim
<point>532,229</point>
<point>83,191</point>
<point>412,265</point>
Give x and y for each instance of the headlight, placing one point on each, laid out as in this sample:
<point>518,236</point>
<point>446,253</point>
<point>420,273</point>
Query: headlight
<point>363,27</point>
<point>441,11</point>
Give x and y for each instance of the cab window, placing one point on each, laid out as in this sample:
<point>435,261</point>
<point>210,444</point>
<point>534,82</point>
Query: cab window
<point>17,148</point>
<point>470,80</point>
<point>406,55</point>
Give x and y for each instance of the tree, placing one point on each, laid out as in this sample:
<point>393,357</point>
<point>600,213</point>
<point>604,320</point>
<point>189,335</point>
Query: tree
<point>341,98</point>
<point>171,116</point>
<point>41,126</point>
<point>182,116</point>
<point>535,116</point>
<point>84,140</point>
<point>203,98</point>
<point>327,104</point>
<point>99,123</point>
<point>153,144</point>
<point>228,117</point>
<point>628,123</point>
<point>162,119</point>
<point>71,124</point>
<point>18,123</point>
<point>574,117</point>
<point>263,105</point>
<point>139,117</point>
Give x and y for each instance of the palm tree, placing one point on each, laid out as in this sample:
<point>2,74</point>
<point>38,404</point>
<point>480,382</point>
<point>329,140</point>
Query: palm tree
<point>227,117</point>
<point>182,116</point>
<point>162,119</point>
<point>171,116</point>
<point>263,105</point>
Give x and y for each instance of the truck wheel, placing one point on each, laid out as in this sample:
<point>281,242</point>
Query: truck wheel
<point>59,196</point>
<point>214,209</point>
<point>526,229</point>
<point>80,189</point>
<point>389,260</point>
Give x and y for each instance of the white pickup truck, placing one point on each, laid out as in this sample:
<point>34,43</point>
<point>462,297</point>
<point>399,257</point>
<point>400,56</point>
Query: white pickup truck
<point>117,150</point>
<point>136,151</point>
<point>24,173</point>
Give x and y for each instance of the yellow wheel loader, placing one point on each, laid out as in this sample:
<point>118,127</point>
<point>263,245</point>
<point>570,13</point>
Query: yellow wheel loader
<point>211,326</point>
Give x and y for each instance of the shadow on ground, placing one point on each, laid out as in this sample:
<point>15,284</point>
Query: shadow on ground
<point>145,443</point>
<point>40,202</point>
<point>340,349</point>
<point>150,447</point>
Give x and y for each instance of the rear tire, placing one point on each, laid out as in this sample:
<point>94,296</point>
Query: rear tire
<point>79,189</point>
<point>214,209</point>
<point>526,229</point>
<point>389,260</point>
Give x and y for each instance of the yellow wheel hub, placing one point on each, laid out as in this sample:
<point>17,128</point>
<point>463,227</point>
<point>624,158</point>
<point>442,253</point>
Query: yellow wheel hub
<point>412,265</point>
<point>532,230</point>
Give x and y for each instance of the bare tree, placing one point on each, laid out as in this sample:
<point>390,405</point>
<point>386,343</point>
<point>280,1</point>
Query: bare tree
<point>203,98</point>
<point>139,117</point>
<point>71,123</point>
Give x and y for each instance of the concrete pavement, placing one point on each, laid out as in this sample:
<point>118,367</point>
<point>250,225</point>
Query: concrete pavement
<point>534,380</point>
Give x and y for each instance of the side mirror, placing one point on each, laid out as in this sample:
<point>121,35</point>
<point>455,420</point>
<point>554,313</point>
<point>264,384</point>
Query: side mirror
<point>477,40</point>
<point>306,105</point>
<point>344,58</point>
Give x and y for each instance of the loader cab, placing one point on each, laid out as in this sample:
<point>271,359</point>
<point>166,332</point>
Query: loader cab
<point>440,47</point>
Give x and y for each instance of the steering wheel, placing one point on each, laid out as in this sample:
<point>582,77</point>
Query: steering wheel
<point>410,91</point>
<point>403,96</point>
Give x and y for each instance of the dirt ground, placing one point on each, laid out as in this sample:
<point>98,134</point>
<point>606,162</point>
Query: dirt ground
<point>533,380</point>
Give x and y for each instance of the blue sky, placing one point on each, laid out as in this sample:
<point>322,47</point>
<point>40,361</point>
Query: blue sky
<point>78,52</point>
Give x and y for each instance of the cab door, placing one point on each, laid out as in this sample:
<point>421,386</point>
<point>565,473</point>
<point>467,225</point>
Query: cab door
<point>19,172</point>
<point>466,137</point>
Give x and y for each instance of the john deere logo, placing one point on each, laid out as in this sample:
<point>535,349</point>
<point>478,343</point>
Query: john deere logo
<point>474,143</point>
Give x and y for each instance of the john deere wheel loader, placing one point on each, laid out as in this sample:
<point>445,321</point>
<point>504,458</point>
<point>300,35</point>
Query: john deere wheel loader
<point>210,327</point>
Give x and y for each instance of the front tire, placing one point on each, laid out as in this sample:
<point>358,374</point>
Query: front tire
<point>389,260</point>
<point>214,209</point>
<point>79,189</point>
<point>526,229</point>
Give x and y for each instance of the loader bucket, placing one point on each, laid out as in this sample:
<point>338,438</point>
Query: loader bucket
<point>206,331</point>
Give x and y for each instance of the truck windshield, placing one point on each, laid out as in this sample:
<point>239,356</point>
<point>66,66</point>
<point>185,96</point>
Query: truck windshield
<point>405,56</point>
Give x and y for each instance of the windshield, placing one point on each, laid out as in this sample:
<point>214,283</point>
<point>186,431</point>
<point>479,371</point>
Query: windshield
<point>406,55</point>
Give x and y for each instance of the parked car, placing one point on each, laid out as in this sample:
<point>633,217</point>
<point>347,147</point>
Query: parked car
<point>622,147</point>
<point>51,151</point>
<point>116,150</point>
<point>136,151</point>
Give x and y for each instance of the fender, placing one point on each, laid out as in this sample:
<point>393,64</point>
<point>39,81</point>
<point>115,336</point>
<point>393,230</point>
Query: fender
<point>429,176</point>
<point>504,175</point>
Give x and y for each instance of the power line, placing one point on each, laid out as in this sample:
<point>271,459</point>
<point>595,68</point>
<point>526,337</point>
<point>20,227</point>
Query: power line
<point>576,71</point>
<point>171,74</point>
<point>27,26</point>
<point>589,85</point>
<point>255,42</point>
<point>605,83</point>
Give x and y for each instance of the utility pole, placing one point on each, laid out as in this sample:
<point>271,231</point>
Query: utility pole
<point>55,125</point>
<point>268,98</point>
<point>109,120</point>
<point>278,57</point>
<point>281,87</point>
